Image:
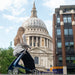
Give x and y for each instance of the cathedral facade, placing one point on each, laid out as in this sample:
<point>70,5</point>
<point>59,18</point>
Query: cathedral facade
<point>38,38</point>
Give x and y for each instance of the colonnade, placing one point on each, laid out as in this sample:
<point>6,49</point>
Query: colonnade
<point>35,41</point>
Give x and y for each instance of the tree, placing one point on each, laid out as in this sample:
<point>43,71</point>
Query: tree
<point>6,58</point>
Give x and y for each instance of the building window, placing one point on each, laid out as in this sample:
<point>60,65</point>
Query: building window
<point>58,19</point>
<point>70,32</point>
<point>67,58</point>
<point>45,42</point>
<point>69,19</point>
<point>42,41</point>
<point>71,44</point>
<point>60,58</point>
<point>72,58</point>
<point>59,45</point>
<point>48,43</point>
<point>67,45</point>
<point>34,41</point>
<point>58,32</point>
<point>65,19</point>
<point>65,31</point>
<point>36,59</point>
<point>38,41</point>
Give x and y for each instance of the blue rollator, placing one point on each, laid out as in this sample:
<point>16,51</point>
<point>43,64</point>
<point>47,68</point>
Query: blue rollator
<point>29,65</point>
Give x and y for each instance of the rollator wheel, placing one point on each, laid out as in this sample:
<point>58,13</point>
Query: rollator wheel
<point>10,72</point>
<point>15,70</point>
<point>35,71</point>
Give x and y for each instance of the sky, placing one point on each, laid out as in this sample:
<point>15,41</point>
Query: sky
<point>14,12</point>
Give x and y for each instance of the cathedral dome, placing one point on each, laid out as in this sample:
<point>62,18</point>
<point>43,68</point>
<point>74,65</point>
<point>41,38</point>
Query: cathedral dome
<point>34,21</point>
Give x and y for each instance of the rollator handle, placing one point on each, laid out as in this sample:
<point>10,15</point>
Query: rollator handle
<point>26,47</point>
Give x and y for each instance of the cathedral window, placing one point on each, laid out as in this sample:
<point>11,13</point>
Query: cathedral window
<point>38,41</point>
<point>46,42</point>
<point>34,41</point>
<point>42,41</point>
<point>36,59</point>
<point>30,41</point>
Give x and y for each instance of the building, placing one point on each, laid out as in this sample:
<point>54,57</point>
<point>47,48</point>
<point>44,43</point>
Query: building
<point>64,37</point>
<point>40,41</point>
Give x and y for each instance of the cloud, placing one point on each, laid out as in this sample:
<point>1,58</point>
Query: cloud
<point>52,4</point>
<point>16,12</point>
<point>9,29</point>
<point>5,4</point>
<point>15,7</point>
<point>19,3</point>
<point>15,19</point>
<point>9,17</point>
<point>1,27</point>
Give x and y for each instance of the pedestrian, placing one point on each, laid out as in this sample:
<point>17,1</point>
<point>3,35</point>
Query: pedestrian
<point>21,45</point>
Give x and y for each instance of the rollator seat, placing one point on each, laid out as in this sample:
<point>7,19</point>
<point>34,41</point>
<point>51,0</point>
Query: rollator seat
<point>28,61</point>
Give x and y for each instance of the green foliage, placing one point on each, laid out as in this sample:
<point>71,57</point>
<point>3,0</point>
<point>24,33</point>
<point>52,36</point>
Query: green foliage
<point>6,58</point>
<point>74,61</point>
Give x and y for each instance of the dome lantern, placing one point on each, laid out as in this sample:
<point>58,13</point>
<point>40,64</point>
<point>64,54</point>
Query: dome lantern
<point>33,12</point>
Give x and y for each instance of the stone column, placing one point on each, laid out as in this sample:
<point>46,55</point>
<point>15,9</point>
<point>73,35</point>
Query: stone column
<point>47,43</point>
<point>40,41</point>
<point>44,42</point>
<point>36,41</point>
<point>29,40</point>
<point>32,41</point>
<point>63,43</point>
<point>73,27</point>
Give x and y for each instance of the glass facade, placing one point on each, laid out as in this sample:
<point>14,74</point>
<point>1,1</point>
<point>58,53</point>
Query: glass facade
<point>66,37</point>
<point>59,45</point>
<point>65,31</point>
<point>58,19</point>
<point>58,32</point>
<point>67,19</point>
<point>68,32</point>
<point>69,45</point>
